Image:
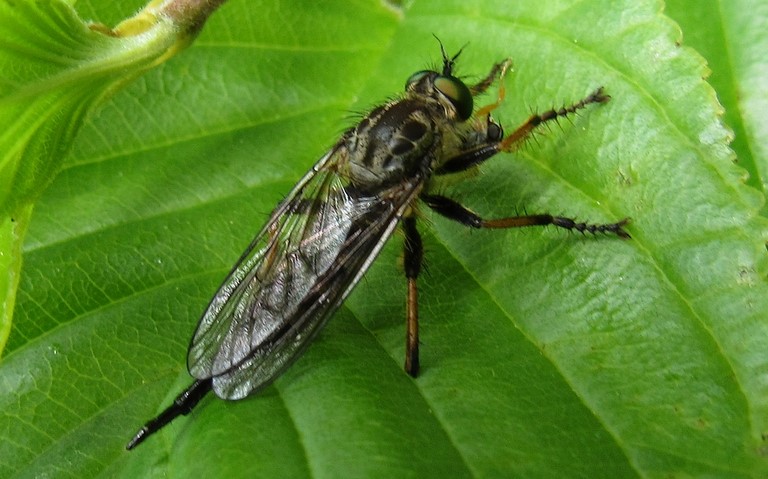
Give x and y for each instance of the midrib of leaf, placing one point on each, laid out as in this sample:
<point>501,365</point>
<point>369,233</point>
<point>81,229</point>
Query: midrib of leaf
<point>624,446</point>
<point>480,286</point>
<point>460,453</point>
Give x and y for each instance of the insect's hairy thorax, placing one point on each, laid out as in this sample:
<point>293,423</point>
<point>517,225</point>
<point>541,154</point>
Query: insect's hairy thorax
<point>401,140</point>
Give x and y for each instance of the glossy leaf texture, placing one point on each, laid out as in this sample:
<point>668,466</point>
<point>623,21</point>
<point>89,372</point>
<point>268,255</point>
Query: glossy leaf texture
<point>545,354</point>
<point>55,69</point>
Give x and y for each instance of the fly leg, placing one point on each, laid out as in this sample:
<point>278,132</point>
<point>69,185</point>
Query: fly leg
<point>511,142</point>
<point>497,72</point>
<point>413,256</point>
<point>496,142</point>
<point>451,209</point>
<point>181,406</point>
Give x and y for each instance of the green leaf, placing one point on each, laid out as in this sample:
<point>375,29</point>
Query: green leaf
<point>732,38</point>
<point>544,354</point>
<point>11,236</point>
<point>55,69</point>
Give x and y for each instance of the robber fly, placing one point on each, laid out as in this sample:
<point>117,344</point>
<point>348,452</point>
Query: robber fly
<point>325,234</point>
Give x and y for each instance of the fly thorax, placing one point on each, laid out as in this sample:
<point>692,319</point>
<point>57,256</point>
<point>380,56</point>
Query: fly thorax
<point>393,143</point>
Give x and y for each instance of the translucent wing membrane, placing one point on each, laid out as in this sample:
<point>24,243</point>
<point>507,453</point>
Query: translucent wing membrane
<point>314,249</point>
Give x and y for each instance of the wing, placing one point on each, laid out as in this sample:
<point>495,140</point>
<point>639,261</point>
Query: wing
<point>297,271</point>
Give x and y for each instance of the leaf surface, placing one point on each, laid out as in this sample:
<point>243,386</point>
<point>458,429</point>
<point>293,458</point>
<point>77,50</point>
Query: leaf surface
<point>544,354</point>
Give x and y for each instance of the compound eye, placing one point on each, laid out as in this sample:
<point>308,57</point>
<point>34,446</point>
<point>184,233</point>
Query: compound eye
<point>416,78</point>
<point>494,131</point>
<point>458,93</point>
